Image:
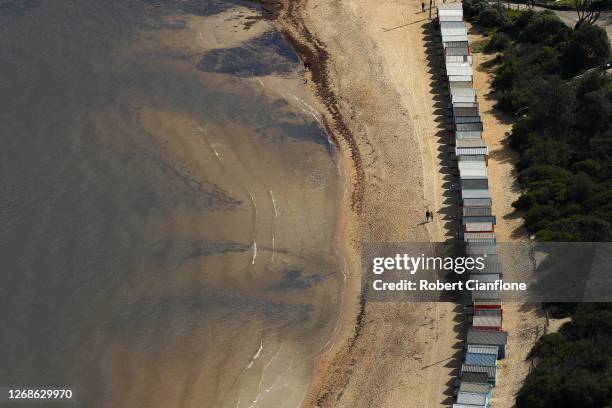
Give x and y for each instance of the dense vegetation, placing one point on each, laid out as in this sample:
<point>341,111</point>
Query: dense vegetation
<point>563,133</point>
<point>574,366</point>
<point>564,127</point>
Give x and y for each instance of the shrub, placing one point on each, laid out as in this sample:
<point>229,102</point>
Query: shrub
<point>498,42</point>
<point>564,139</point>
<point>564,134</point>
<point>544,28</point>
<point>588,47</point>
<point>492,17</point>
<point>539,217</point>
<point>472,8</point>
<point>506,74</point>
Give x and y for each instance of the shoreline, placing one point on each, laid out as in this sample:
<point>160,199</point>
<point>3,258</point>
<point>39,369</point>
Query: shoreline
<point>392,103</point>
<point>310,49</point>
<point>352,310</point>
<point>334,369</point>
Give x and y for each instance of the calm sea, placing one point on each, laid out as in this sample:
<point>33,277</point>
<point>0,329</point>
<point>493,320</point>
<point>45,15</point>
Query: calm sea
<point>167,206</point>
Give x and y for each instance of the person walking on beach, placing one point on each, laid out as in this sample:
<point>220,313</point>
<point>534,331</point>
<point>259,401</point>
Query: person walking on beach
<point>428,216</point>
<point>423,6</point>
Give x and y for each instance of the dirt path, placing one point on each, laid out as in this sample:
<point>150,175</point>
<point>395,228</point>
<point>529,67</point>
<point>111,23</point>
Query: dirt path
<point>523,322</point>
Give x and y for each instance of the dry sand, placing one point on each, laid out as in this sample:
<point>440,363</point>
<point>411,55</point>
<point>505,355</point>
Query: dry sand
<point>375,72</point>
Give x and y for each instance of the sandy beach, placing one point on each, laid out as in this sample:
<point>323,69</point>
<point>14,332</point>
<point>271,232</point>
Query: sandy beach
<point>371,70</point>
<point>375,71</point>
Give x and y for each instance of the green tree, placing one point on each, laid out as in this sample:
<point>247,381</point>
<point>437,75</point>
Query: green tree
<point>498,42</point>
<point>492,17</point>
<point>588,47</point>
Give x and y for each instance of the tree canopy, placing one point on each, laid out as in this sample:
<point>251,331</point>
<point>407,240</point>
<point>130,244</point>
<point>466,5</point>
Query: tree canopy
<point>564,129</point>
<point>563,134</point>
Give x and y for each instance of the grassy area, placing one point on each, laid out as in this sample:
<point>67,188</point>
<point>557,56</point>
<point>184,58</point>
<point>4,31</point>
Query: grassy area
<point>566,3</point>
<point>478,46</point>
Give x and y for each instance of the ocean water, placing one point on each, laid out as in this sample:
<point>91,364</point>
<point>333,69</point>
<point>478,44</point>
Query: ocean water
<point>168,205</point>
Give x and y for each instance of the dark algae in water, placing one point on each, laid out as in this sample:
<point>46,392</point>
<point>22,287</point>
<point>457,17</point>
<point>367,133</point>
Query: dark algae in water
<point>263,55</point>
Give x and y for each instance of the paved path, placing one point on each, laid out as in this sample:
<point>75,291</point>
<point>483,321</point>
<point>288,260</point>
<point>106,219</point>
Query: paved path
<point>570,18</point>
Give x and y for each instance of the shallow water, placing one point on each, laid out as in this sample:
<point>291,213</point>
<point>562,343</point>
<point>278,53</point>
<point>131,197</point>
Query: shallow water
<point>167,203</point>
